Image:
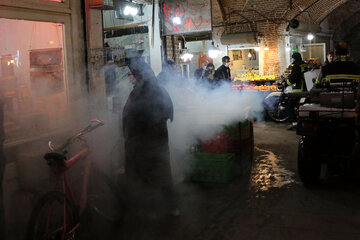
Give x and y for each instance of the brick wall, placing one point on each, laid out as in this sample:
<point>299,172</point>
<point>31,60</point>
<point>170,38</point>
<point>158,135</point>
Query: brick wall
<point>239,19</point>
<point>271,17</point>
<point>172,46</point>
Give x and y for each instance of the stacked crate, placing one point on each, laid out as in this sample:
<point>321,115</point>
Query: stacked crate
<point>221,158</point>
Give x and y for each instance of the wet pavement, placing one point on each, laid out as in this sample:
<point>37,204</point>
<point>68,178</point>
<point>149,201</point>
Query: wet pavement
<point>271,203</point>
<point>268,203</point>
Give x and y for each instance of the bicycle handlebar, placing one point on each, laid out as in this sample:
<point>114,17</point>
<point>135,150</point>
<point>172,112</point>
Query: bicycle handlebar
<point>84,131</point>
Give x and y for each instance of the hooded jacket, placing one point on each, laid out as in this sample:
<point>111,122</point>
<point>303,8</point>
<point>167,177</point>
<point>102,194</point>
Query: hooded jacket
<point>148,103</point>
<point>296,76</point>
<point>145,116</point>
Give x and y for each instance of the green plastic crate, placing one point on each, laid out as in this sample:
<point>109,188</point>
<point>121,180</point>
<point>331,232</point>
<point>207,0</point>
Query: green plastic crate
<point>238,131</point>
<point>211,167</point>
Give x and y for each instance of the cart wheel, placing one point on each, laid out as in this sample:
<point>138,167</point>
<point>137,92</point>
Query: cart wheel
<point>308,161</point>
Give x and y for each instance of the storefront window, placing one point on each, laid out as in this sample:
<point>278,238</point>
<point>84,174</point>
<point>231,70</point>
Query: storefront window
<point>244,61</point>
<point>32,77</point>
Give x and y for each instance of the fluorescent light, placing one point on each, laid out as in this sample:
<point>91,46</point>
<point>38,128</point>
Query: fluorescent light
<point>266,48</point>
<point>257,49</point>
<point>310,36</point>
<point>176,20</point>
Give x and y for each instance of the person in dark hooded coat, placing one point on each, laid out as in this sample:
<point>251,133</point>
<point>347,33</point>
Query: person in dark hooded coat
<point>147,156</point>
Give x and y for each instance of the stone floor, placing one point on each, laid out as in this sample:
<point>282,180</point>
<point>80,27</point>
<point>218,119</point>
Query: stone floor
<point>271,203</point>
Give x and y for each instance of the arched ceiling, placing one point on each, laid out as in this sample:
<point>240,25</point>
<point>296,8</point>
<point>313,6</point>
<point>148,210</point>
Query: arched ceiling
<point>345,17</point>
<point>247,15</point>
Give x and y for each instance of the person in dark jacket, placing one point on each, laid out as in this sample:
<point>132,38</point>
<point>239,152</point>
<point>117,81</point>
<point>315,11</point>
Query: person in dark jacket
<point>147,157</point>
<point>342,64</point>
<point>223,72</point>
<point>200,71</point>
<point>297,80</point>
<point>2,170</point>
<point>208,77</point>
<point>329,58</point>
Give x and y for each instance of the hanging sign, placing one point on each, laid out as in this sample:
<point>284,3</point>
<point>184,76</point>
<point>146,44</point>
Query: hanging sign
<point>185,16</point>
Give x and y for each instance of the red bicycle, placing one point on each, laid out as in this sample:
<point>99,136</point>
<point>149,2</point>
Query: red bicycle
<point>57,214</point>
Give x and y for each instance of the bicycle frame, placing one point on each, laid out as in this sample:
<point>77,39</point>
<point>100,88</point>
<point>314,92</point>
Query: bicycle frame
<point>66,187</point>
<point>67,164</point>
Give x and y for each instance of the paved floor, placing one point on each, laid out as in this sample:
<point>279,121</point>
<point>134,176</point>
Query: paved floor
<point>273,204</point>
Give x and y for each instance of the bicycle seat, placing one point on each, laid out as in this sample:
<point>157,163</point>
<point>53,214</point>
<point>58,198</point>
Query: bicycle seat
<point>55,159</point>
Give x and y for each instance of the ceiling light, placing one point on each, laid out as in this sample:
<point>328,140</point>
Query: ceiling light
<point>266,48</point>
<point>310,36</point>
<point>186,56</point>
<point>128,10</point>
<point>257,49</point>
<point>288,48</point>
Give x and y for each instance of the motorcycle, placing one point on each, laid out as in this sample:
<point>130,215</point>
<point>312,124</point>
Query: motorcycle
<point>276,104</point>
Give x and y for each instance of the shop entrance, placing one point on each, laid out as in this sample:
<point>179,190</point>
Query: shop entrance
<point>32,77</point>
<point>244,61</point>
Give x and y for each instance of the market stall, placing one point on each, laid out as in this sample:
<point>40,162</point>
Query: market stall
<point>248,80</point>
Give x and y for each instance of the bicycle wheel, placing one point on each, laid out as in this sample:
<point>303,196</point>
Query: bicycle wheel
<point>53,217</point>
<point>104,197</point>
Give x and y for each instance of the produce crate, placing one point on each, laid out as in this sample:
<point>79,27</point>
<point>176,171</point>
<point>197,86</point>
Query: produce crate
<point>241,130</point>
<point>211,167</point>
<point>218,144</point>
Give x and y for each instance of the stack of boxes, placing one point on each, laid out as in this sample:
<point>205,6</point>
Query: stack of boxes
<point>221,158</point>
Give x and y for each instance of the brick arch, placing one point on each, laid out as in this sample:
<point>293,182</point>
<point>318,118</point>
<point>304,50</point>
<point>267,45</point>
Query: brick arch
<point>346,27</point>
<point>313,8</point>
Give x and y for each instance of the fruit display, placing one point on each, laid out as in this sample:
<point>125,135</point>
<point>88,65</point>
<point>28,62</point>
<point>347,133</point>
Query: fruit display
<point>264,88</point>
<point>252,76</point>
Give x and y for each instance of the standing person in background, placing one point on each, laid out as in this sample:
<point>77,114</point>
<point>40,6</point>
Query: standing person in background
<point>329,59</point>
<point>342,66</point>
<point>199,73</point>
<point>297,80</point>
<point>223,72</point>
<point>2,170</point>
<point>208,77</point>
<point>147,155</point>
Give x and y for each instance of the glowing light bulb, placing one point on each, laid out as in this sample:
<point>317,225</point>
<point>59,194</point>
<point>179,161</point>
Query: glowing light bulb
<point>128,10</point>
<point>176,20</point>
<point>51,42</point>
<point>214,53</point>
<point>187,57</point>
<point>134,11</point>
<point>310,36</point>
<point>266,48</point>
